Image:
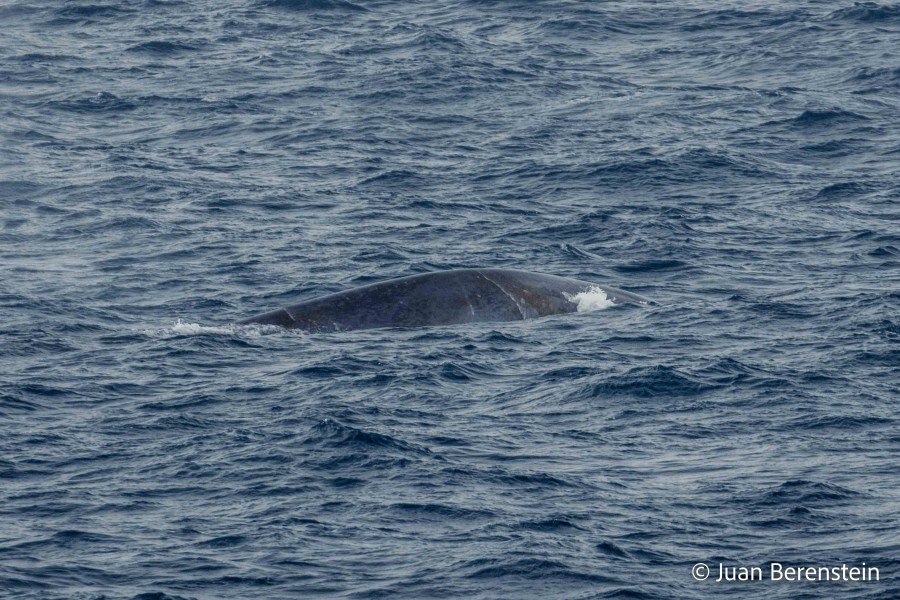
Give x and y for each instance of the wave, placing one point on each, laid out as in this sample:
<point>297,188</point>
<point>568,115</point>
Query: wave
<point>315,5</point>
<point>94,103</point>
<point>867,12</point>
<point>844,189</point>
<point>334,434</point>
<point>78,11</point>
<point>650,382</point>
<point>817,118</point>
<point>807,493</point>
<point>534,568</point>
<point>162,47</point>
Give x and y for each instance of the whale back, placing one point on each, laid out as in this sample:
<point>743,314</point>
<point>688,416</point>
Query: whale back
<point>439,298</point>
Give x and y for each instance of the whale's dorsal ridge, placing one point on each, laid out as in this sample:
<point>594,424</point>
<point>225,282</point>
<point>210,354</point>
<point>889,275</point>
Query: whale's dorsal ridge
<point>441,298</point>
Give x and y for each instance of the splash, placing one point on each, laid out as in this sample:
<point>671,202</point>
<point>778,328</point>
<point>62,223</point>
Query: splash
<point>593,298</point>
<point>181,328</point>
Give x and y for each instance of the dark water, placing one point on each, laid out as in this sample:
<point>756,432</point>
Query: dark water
<point>169,168</point>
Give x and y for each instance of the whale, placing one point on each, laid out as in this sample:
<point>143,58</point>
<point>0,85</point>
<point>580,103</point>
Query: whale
<point>450,297</point>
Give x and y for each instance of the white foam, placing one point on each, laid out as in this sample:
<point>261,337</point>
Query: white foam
<point>593,298</point>
<point>182,328</point>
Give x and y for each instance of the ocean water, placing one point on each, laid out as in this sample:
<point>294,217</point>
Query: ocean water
<point>169,168</point>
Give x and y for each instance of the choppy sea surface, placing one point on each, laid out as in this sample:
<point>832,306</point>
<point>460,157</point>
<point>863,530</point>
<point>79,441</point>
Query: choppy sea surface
<point>169,168</point>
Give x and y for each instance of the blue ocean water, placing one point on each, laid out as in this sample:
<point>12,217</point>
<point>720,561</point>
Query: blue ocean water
<point>169,168</point>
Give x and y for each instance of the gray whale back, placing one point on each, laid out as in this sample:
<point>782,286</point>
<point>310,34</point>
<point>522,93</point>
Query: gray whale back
<point>440,298</point>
